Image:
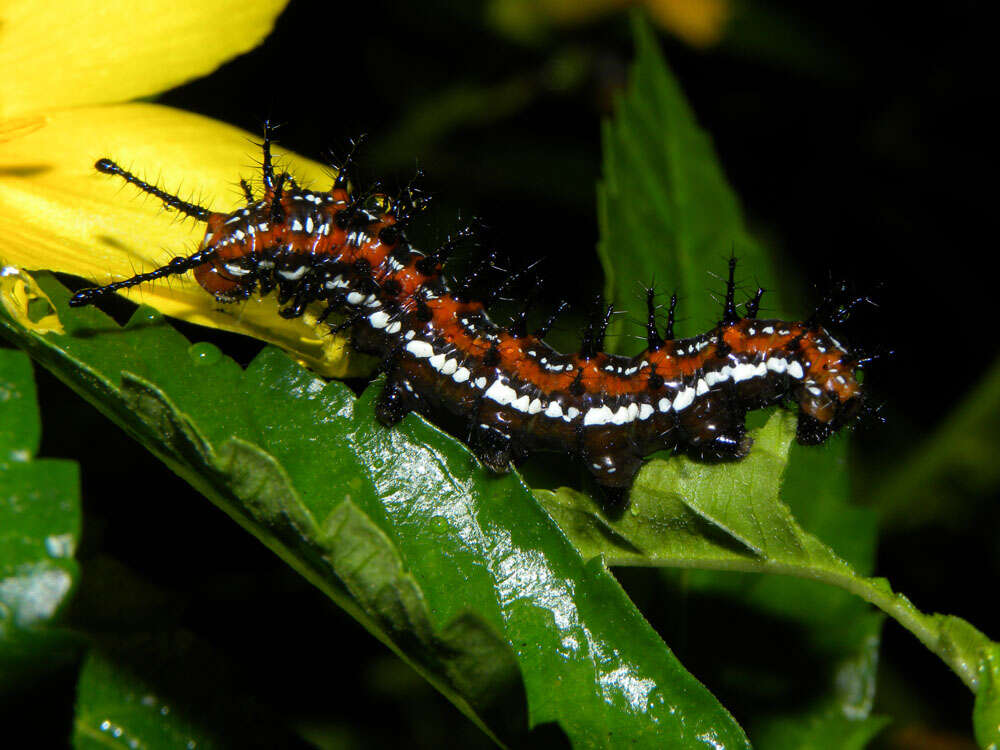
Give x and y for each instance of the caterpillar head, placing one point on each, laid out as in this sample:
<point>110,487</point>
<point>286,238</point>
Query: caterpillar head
<point>830,395</point>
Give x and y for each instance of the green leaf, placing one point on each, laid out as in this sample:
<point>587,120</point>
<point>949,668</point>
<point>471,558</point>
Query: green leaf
<point>955,465</point>
<point>830,729</point>
<point>666,213</point>
<point>39,530</point>
<point>461,573</point>
<point>166,690</point>
<point>986,713</point>
<point>20,427</point>
<point>706,516</point>
<point>690,515</point>
<point>840,630</point>
<point>838,634</point>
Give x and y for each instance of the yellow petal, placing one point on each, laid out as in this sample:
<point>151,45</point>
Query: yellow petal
<point>57,212</point>
<point>64,53</point>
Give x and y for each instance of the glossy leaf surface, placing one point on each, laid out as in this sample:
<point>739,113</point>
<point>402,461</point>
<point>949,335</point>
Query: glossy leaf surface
<point>461,573</point>
<point>691,515</point>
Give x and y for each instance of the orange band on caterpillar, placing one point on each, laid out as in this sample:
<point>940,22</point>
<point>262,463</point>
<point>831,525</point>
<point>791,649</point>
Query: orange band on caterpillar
<point>443,354</point>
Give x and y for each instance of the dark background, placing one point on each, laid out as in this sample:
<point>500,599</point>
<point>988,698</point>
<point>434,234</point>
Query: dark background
<point>856,136</point>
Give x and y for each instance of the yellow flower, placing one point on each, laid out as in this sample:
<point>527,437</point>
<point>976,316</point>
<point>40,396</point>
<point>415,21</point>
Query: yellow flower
<point>68,66</point>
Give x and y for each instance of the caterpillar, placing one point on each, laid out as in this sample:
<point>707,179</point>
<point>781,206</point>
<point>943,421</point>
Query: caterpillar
<point>442,354</point>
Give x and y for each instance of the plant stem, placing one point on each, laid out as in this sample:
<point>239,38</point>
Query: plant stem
<point>896,606</point>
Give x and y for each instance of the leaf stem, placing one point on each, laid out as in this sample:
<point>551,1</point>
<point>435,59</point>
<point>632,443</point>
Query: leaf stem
<point>875,591</point>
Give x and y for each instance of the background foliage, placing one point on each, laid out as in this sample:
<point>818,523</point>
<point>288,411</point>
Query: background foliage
<point>836,166</point>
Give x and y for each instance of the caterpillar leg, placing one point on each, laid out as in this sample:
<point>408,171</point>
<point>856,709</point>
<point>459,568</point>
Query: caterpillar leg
<point>730,445</point>
<point>492,446</point>
<point>614,461</point>
<point>613,469</point>
<point>810,431</point>
<point>398,397</point>
<point>714,428</point>
<point>392,405</point>
<point>490,437</point>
